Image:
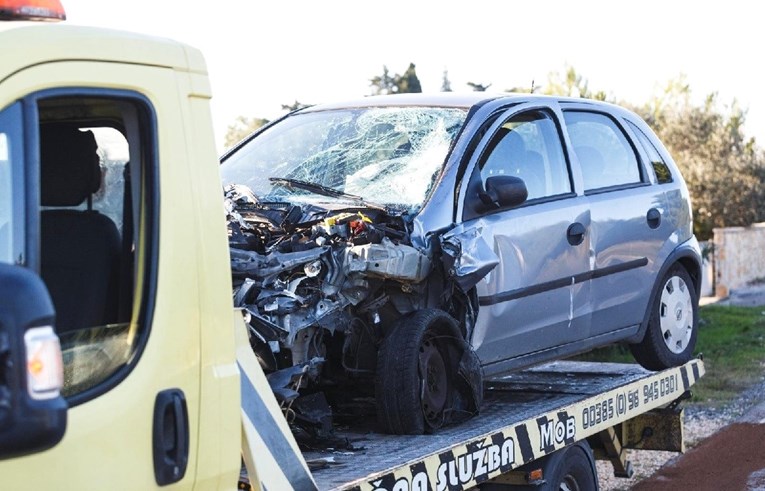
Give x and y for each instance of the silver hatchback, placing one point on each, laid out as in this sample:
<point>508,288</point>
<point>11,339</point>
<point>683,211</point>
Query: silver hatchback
<point>405,247</point>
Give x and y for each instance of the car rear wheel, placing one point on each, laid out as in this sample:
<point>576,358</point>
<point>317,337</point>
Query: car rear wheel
<point>415,373</point>
<point>673,323</point>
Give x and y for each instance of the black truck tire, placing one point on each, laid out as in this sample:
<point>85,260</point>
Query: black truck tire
<point>573,471</point>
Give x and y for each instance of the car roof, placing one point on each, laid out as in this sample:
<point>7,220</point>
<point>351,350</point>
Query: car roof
<point>435,99</point>
<point>463,100</point>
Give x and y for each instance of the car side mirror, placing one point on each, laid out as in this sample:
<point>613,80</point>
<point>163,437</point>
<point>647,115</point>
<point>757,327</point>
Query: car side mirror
<point>32,410</point>
<point>502,192</point>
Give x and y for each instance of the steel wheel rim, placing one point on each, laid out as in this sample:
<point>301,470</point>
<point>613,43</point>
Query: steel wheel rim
<point>676,314</point>
<point>569,484</point>
<point>433,382</point>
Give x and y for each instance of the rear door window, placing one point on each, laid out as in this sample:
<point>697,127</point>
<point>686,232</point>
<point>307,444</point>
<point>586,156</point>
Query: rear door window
<point>605,154</point>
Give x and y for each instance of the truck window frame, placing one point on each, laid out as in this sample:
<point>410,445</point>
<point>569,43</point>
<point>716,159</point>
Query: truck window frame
<point>144,293</point>
<point>11,119</point>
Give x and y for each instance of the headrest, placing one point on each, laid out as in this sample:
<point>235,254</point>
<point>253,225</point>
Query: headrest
<point>70,168</point>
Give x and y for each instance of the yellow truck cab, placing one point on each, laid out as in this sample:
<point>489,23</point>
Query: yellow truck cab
<point>123,363</point>
<point>134,256</point>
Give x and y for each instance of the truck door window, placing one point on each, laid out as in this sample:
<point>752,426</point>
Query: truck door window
<point>94,163</point>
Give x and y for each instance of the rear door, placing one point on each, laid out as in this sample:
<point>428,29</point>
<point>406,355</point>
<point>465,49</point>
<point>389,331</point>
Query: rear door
<point>628,213</point>
<point>531,301</point>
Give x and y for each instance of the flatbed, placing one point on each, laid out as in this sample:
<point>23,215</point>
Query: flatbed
<point>525,416</point>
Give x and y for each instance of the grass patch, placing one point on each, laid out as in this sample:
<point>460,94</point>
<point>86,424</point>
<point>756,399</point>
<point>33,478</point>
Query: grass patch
<point>732,340</point>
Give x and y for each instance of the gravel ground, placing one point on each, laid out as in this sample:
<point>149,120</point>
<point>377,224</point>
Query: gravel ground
<point>700,422</point>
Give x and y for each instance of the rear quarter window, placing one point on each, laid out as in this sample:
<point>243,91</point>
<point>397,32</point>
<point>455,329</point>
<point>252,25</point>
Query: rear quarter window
<point>660,168</point>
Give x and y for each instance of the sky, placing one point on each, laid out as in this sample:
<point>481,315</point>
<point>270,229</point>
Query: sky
<point>261,55</point>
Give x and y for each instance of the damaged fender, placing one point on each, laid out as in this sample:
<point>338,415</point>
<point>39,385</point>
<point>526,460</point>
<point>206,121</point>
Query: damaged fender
<point>467,257</point>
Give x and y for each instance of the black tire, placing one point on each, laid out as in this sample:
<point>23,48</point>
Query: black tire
<point>568,469</point>
<point>409,403</point>
<point>573,472</point>
<point>673,322</point>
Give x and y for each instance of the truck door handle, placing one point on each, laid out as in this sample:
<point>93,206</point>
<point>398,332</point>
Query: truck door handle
<point>575,233</point>
<point>170,436</point>
<point>653,217</point>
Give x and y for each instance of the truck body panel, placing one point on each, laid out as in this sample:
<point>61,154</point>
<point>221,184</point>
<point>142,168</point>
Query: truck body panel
<point>190,345</point>
<point>526,415</point>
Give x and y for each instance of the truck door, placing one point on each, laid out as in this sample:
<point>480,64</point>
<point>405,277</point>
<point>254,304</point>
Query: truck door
<point>114,246</point>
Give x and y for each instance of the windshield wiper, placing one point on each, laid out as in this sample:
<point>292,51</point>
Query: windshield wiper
<point>324,190</point>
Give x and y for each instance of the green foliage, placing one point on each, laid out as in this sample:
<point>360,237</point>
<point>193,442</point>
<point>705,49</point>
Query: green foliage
<point>396,84</point>
<point>724,170</point>
<point>478,87</point>
<point>294,106</point>
<point>242,127</point>
<point>446,84</point>
<point>571,84</point>
<point>732,340</point>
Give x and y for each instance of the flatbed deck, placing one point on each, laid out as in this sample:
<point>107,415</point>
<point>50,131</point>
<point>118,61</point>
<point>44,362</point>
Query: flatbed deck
<point>525,416</point>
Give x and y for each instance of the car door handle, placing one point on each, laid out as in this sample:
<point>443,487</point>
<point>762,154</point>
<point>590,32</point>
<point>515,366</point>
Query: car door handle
<point>171,436</point>
<point>653,217</point>
<point>575,233</point>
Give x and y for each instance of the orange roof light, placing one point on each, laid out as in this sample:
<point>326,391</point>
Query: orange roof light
<point>32,10</point>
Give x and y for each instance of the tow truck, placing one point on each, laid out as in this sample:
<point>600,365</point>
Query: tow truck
<point>123,362</point>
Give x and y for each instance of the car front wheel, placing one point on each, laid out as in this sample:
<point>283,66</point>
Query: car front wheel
<point>673,323</point>
<point>417,373</point>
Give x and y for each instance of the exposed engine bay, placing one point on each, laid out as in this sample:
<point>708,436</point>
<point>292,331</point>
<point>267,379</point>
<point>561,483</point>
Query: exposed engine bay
<point>320,287</point>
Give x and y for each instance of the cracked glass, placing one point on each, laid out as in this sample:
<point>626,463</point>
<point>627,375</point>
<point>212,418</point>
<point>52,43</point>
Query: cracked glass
<point>385,155</point>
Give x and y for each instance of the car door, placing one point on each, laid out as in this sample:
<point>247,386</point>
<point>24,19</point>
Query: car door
<point>628,214</point>
<point>531,301</point>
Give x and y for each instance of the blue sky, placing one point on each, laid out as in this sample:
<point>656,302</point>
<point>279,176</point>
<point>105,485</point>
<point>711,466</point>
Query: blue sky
<point>264,54</point>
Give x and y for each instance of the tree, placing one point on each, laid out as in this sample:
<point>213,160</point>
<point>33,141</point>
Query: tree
<point>523,90</point>
<point>446,84</point>
<point>409,83</point>
<point>397,84</point>
<point>242,127</point>
<point>294,106</point>
<point>723,169</point>
<point>478,87</point>
<point>571,84</point>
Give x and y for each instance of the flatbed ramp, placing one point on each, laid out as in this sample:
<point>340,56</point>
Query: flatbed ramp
<point>525,416</point>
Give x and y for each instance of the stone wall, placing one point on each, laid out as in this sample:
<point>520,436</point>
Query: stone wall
<point>739,254</point>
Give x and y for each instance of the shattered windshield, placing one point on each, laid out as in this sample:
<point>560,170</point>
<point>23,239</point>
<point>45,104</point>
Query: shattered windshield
<point>385,155</point>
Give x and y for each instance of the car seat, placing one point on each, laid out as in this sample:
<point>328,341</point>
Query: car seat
<point>79,248</point>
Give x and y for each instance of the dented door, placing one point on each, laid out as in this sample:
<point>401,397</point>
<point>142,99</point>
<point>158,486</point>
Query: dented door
<point>537,296</point>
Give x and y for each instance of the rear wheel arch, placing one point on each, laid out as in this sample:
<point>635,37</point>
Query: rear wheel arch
<point>672,330</point>
<point>688,260</point>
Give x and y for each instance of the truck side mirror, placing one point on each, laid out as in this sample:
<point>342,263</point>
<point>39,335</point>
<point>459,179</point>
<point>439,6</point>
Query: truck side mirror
<point>502,192</point>
<point>32,410</point>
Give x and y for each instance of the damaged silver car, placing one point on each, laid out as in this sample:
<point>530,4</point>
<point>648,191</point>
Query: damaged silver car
<point>393,251</point>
